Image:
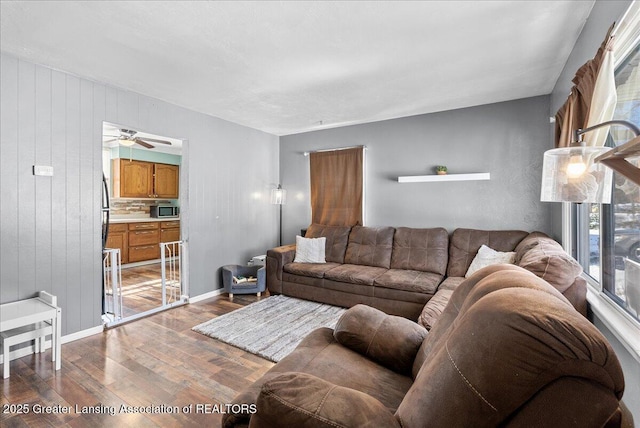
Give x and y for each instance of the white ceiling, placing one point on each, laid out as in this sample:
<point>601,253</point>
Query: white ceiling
<point>287,67</point>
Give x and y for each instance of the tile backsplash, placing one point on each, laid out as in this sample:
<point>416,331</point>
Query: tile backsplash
<point>135,207</point>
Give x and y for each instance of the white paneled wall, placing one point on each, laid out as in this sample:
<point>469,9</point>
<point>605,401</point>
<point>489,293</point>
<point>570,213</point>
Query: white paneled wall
<point>50,226</point>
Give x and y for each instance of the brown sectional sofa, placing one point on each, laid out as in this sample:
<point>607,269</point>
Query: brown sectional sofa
<point>399,270</point>
<point>509,350</point>
<point>394,270</point>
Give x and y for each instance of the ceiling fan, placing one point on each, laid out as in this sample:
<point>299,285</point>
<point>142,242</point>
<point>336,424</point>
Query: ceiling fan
<point>128,137</point>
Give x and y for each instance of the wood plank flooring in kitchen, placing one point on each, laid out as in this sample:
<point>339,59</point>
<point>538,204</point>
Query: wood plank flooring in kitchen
<point>154,361</point>
<point>142,288</point>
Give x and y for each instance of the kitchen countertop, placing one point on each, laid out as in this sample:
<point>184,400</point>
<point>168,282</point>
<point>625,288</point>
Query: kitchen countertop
<point>141,219</point>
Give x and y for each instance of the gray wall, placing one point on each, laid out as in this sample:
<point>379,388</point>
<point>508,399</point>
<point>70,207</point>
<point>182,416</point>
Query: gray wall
<point>505,139</point>
<point>50,226</point>
<point>593,33</point>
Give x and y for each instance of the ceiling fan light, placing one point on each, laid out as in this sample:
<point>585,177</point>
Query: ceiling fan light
<point>126,142</point>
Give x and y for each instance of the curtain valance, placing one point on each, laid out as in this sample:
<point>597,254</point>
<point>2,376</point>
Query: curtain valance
<point>594,78</point>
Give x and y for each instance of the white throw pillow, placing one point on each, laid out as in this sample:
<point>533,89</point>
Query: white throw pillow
<point>487,256</point>
<point>310,250</point>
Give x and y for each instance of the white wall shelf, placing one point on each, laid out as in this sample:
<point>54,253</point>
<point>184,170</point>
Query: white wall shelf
<point>446,177</point>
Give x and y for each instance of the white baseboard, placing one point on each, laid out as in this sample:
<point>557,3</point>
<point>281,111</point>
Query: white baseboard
<point>206,296</point>
<point>82,334</point>
<point>27,350</point>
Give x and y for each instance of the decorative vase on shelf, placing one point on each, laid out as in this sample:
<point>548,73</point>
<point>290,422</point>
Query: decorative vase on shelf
<point>441,170</point>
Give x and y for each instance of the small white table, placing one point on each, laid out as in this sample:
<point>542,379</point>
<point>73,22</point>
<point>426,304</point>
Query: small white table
<point>31,312</point>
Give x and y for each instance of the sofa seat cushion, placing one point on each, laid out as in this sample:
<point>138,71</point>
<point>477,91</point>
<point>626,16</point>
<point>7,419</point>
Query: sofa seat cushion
<point>434,308</point>
<point>337,239</point>
<point>370,246</point>
<point>451,283</point>
<point>425,250</point>
<point>355,274</point>
<point>409,280</point>
<point>314,270</point>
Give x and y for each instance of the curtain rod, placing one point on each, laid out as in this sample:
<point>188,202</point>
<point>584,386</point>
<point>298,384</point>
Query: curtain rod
<point>336,149</point>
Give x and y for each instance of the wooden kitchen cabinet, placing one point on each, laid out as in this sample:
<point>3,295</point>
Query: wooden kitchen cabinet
<point>169,231</point>
<point>139,179</point>
<point>166,180</point>
<point>140,241</point>
<point>144,240</point>
<point>118,238</point>
<point>132,179</point>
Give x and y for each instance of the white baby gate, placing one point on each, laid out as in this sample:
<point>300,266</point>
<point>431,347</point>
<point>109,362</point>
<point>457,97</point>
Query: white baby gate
<point>112,281</point>
<point>174,287</point>
<point>172,256</point>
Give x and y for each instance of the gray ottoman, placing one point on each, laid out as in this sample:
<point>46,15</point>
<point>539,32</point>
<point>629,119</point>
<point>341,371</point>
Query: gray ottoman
<point>232,286</point>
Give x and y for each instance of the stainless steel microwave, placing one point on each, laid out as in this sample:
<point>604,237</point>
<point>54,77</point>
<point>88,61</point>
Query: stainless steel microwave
<point>162,211</point>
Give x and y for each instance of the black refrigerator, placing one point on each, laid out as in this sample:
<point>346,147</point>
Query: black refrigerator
<point>105,228</point>
<point>105,211</point>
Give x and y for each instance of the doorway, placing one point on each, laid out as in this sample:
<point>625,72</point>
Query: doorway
<point>144,253</point>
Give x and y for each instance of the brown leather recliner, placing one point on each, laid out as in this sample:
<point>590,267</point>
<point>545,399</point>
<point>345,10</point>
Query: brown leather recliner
<point>509,350</point>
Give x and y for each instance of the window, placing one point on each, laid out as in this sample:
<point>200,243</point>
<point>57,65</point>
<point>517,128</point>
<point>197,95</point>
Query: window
<point>608,236</point>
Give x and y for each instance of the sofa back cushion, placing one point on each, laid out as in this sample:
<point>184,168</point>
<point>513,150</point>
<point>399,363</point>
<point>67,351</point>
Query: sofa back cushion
<point>545,258</point>
<point>465,243</point>
<point>370,246</point>
<point>511,336</point>
<point>424,250</point>
<point>337,239</point>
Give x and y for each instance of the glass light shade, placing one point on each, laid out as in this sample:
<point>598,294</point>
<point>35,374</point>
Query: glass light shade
<point>278,196</point>
<point>126,142</point>
<point>570,175</point>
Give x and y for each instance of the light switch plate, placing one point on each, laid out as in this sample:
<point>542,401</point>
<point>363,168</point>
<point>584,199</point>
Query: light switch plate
<point>44,170</point>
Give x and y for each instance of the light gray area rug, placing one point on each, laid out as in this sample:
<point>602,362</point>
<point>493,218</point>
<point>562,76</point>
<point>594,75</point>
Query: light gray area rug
<point>273,327</point>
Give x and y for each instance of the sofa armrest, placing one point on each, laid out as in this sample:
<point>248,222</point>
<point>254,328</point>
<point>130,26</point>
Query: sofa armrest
<point>276,259</point>
<point>389,340</point>
<point>299,399</point>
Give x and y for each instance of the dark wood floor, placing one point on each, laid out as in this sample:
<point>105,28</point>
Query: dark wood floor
<point>154,361</point>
